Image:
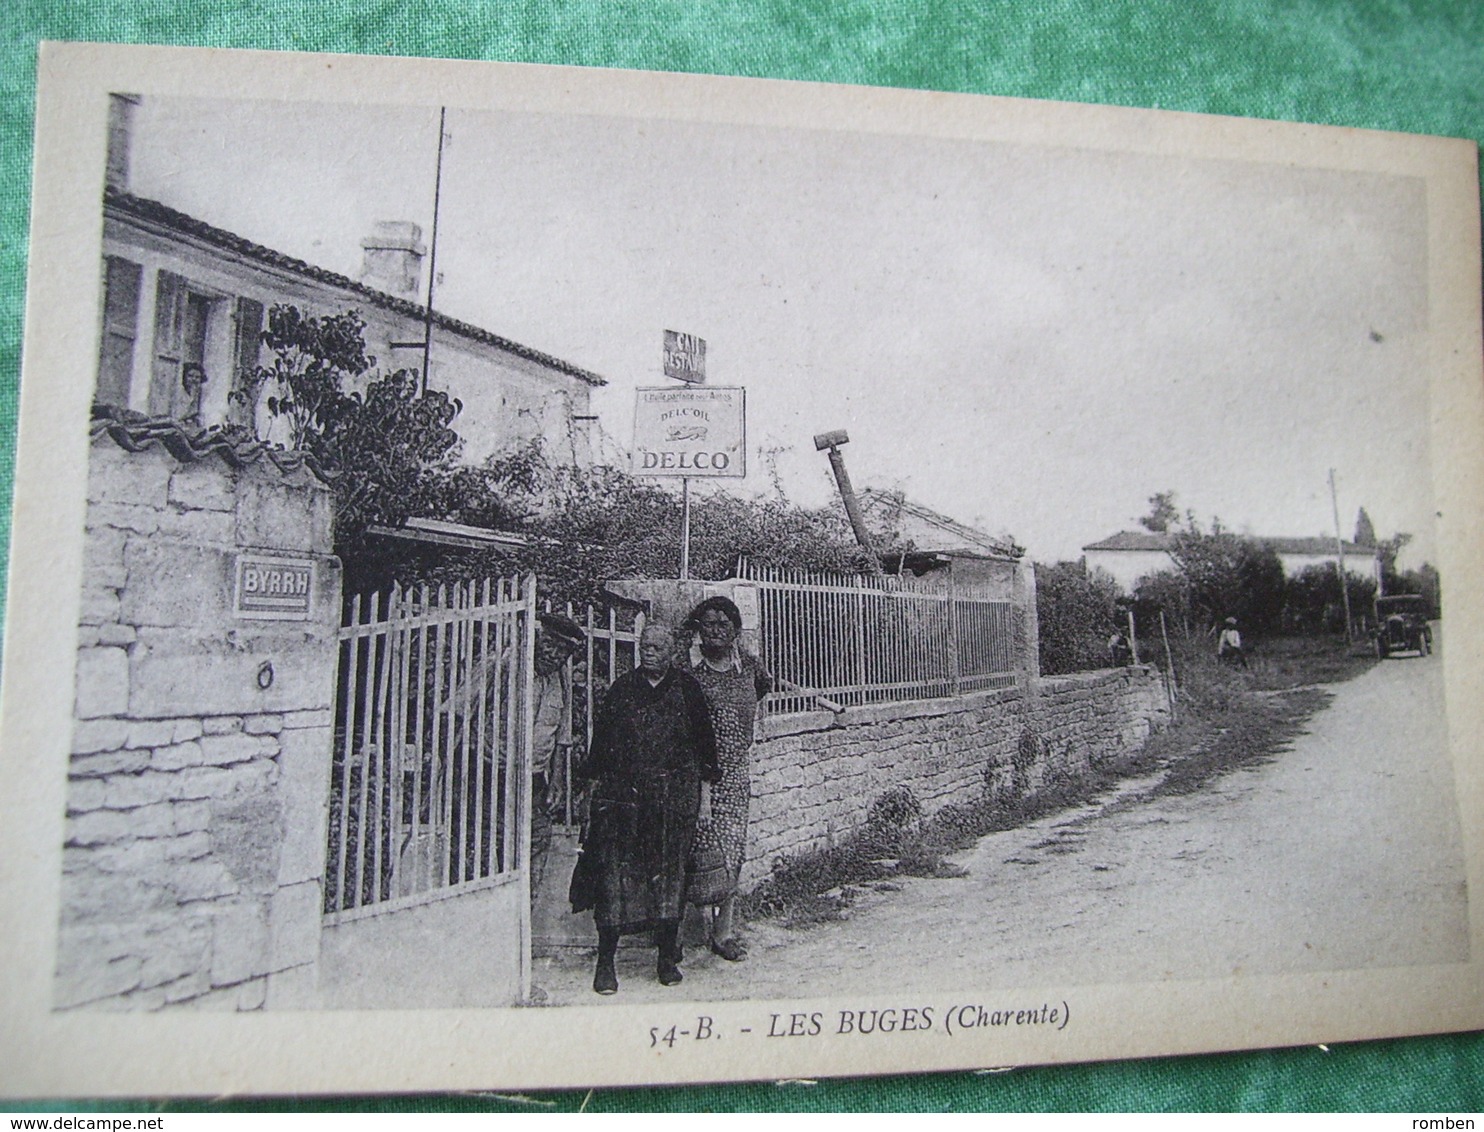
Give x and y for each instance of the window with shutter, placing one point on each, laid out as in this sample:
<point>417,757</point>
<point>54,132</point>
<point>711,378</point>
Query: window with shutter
<point>245,353</point>
<point>169,333</point>
<point>120,327</point>
<point>182,323</point>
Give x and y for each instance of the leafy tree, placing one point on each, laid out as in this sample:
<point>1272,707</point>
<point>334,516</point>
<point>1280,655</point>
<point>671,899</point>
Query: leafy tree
<point>392,447</point>
<point>1162,513</point>
<point>1077,610</point>
<point>1365,531</point>
<point>388,447</point>
<point>1425,581</point>
<point>1314,603</point>
<point>310,360</point>
<point>1226,575</point>
<point>1388,549</point>
<point>1166,590</point>
<point>1211,564</point>
<point>1262,585</point>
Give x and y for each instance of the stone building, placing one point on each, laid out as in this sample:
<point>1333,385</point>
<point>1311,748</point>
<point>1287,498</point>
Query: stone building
<point>184,303</point>
<point>928,541</point>
<point>1132,555</point>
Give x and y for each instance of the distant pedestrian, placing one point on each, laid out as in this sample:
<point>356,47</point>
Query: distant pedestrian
<point>1119,651</point>
<point>1229,645</point>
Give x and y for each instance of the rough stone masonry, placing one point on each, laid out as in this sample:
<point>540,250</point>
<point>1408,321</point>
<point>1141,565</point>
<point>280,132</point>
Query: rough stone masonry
<point>198,778</point>
<point>816,774</point>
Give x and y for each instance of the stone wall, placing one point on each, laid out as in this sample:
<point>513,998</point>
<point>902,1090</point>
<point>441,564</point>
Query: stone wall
<point>198,779</point>
<point>816,774</point>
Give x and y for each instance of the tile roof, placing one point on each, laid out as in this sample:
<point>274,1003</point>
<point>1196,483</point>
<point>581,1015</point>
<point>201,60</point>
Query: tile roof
<point>1319,546</point>
<point>161,215</point>
<point>135,432</point>
<point>977,543</point>
<point>1133,540</point>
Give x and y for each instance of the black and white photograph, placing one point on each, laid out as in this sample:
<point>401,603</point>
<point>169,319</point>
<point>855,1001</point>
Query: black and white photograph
<point>590,578</point>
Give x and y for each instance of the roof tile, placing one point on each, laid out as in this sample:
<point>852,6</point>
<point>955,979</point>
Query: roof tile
<point>152,211</point>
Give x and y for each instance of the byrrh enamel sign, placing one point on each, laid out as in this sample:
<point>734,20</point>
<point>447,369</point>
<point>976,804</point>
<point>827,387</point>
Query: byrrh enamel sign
<point>691,431</point>
<point>274,589</point>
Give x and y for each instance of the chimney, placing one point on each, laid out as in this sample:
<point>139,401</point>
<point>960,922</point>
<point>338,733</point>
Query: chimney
<point>393,258</point>
<point>120,136</point>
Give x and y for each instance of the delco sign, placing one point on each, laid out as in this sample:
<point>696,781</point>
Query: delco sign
<point>685,357</point>
<point>274,589</point>
<point>696,431</point>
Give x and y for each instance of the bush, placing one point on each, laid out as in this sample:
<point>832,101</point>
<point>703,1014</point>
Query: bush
<point>894,823</point>
<point>584,526</point>
<point>1077,610</point>
<point>1316,605</point>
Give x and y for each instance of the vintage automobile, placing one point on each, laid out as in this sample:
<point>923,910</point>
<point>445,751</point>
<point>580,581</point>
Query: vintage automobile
<point>1401,625</point>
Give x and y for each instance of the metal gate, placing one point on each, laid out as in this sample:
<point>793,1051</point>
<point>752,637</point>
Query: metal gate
<point>426,898</point>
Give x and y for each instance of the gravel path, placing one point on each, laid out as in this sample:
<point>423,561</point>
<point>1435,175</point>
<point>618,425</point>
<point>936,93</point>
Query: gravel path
<point>1342,852</point>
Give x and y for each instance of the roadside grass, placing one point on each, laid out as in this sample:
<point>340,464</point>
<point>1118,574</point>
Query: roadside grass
<point>1227,718</point>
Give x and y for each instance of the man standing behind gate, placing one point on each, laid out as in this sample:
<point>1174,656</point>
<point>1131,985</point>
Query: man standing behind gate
<point>557,639</point>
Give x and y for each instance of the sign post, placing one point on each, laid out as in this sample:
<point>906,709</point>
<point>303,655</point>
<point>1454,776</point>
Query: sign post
<point>685,360</point>
<point>685,528</point>
<point>687,431</point>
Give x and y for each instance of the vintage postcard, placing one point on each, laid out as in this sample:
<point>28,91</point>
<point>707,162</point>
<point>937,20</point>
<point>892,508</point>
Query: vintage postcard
<point>529,577</point>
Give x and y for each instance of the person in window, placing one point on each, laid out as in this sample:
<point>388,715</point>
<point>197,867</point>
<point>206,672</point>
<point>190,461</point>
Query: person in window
<point>734,682</point>
<point>193,384</point>
<point>652,749</point>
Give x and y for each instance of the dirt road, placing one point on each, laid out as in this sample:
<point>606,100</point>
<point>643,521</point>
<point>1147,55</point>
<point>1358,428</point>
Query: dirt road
<point>1341,852</point>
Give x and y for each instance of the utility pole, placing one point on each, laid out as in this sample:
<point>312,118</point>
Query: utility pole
<point>1334,501</point>
<point>433,252</point>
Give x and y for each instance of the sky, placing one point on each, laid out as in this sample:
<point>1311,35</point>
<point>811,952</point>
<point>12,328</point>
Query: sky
<point>1028,338</point>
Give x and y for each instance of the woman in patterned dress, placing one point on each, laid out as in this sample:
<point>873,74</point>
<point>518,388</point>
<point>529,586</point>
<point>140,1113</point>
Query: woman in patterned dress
<point>734,682</point>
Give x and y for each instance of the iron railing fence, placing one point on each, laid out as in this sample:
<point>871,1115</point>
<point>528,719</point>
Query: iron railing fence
<point>844,640</point>
<point>612,650</point>
<point>431,744</point>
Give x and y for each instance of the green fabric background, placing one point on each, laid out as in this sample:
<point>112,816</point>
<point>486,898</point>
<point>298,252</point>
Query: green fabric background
<point>1416,66</point>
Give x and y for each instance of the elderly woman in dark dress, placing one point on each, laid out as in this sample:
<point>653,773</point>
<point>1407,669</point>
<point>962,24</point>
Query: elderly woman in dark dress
<point>734,682</point>
<point>652,749</point>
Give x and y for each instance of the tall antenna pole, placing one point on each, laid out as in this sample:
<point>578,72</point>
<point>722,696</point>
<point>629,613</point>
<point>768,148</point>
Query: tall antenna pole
<point>433,252</point>
<point>684,528</point>
<point>1334,502</point>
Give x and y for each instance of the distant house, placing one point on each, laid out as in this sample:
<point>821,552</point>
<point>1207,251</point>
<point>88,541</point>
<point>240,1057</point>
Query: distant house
<point>184,303</point>
<point>916,539</point>
<point>1131,555</point>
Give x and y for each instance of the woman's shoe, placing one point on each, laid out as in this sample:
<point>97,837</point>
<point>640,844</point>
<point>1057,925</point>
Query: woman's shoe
<point>605,978</point>
<point>669,973</point>
<point>732,950</point>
